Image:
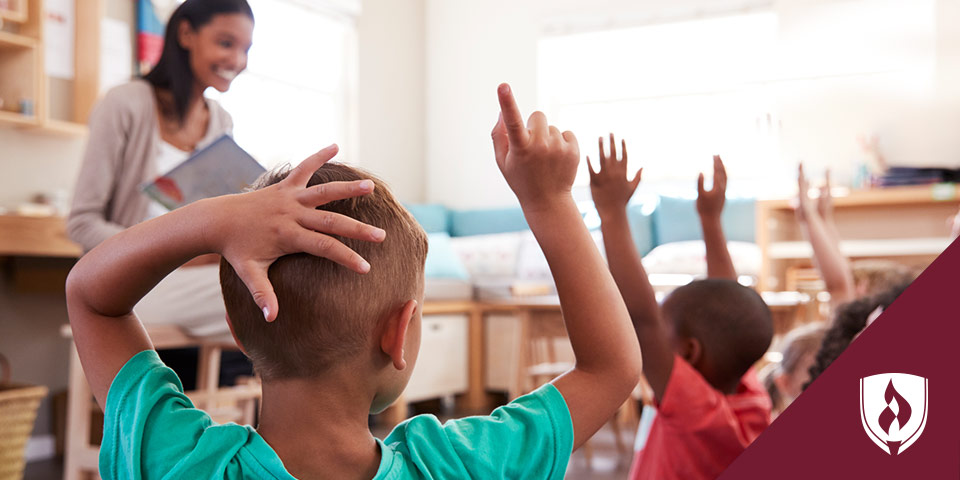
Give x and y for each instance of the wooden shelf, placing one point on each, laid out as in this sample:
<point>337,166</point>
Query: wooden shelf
<point>16,15</point>
<point>912,195</point>
<point>56,127</point>
<point>12,40</point>
<point>18,119</point>
<point>62,127</point>
<point>895,247</point>
<point>907,225</point>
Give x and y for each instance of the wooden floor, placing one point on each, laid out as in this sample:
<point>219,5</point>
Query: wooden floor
<point>605,463</point>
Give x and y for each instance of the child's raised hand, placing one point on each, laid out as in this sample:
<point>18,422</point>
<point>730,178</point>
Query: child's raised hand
<point>804,206</point>
<point>825,202</point>
<point>538,162</point>
<point>710,202</point>
<point>252,230</point>
<point>610,187</point>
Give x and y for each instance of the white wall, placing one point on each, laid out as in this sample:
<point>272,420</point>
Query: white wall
<point>35,163</point>
<point>391,94</point>
<point>471,48</point>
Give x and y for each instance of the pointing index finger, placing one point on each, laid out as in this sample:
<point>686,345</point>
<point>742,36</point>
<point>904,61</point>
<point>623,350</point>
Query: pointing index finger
<point>512,119</point>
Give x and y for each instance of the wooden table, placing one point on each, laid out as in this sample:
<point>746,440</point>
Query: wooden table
<point>22,236</point>
<point>36,252</point>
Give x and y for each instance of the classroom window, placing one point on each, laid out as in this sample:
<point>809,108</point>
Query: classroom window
<point>296,95</point>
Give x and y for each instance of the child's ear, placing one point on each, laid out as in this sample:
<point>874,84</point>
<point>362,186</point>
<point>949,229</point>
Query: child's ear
<point>234,333</point>
<point>395,334</point>
<point>691,351</point>
<point>780,381</point>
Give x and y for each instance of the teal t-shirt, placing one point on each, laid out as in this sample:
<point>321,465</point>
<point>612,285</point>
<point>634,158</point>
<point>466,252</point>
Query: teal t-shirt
<point>152,430</point>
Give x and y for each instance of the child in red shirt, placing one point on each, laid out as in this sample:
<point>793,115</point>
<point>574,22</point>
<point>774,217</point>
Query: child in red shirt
<point>698,348</point>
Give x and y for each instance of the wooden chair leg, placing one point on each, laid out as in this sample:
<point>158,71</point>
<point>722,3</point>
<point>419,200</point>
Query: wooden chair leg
<point>588,454</point>
<point>80,455</point>
<point>248,408</point>
<point>208,373</point>
<point>615,424</point>
<point>518,384</point>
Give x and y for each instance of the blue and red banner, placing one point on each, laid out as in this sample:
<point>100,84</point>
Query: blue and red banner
<point>149,36</point>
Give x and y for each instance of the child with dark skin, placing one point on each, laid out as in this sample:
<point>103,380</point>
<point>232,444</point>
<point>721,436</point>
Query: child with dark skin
<point>698,347</point>
<point>314,425</point>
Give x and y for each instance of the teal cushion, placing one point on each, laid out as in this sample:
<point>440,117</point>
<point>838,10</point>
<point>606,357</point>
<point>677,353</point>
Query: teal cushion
<point>442,260</point>
<point>639,214</point>
<point>432,217</point>
<point>676,220</point>
<point>739,219</point>
<point>486,221</point>
<point>640,217</point>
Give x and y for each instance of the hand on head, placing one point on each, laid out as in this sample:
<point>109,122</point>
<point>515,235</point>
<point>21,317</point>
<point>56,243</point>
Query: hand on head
<point>538,162</point>
<point>710,202</point>
<point>610,187</point>
<point>284,220</point>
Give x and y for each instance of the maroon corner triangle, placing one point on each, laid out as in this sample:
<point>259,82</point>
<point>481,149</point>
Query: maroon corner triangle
<point>821,435</point>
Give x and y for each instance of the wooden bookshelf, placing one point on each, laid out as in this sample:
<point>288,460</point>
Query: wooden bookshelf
<point>23,79</point>
<point>905,224</point>
<point>14,11</point>
<point>13,41</point>
<point>18,119</point>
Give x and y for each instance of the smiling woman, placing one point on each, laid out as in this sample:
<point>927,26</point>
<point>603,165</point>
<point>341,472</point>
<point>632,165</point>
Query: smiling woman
<point>146,127</point>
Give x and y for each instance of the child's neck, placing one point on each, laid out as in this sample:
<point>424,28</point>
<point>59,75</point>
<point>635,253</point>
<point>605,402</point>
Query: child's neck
<point>319,428</point>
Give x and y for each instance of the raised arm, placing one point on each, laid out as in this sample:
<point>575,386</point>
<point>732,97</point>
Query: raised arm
<point>540,164</point>
<point>833,266</point>
<point>825,209</point>
<point>710,207</point>
<point>611,190</point>
<point>250,230</point>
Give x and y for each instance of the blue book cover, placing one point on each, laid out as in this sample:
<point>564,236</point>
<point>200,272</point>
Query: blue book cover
<point>221,168</point>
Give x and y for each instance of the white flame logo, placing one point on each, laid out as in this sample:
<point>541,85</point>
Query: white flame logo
<point>893,409</point>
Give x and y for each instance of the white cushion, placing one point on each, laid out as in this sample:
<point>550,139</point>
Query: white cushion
<point>690,258</point>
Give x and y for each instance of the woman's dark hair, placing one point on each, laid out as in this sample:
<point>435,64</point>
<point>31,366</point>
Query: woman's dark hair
<point>172,71</point>
<point>850,320</point>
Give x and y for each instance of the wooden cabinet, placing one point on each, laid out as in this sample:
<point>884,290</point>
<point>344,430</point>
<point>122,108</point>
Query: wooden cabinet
<point>26,91</point>
<point>441,367</point>
<point>905,224</point>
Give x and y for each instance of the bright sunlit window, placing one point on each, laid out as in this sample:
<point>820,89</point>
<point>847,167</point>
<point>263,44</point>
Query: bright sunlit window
<point>682,91</point>
<point>677,92</point>
<point>296,95</point>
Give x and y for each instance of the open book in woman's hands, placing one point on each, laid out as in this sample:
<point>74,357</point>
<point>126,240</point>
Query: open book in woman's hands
<point>221,168</point>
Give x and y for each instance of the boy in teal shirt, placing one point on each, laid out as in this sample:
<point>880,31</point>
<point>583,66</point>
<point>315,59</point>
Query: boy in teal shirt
<point>333,344</point>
